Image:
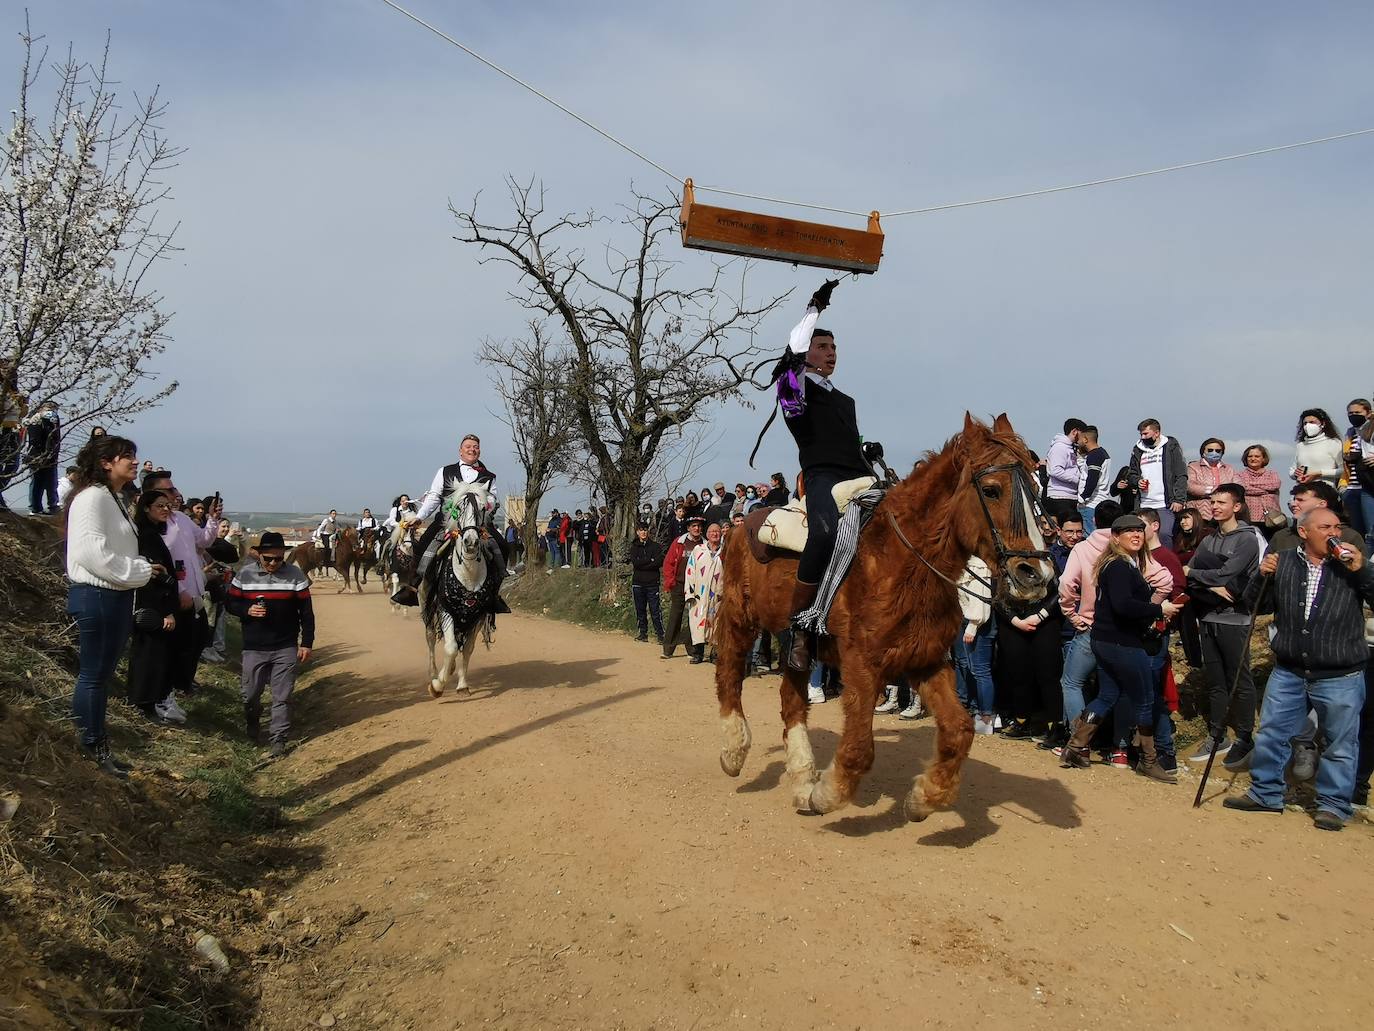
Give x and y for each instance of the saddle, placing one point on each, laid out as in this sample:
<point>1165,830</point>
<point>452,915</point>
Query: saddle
<point>782,531</point>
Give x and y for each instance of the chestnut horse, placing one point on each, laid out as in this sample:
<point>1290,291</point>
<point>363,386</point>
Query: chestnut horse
<point>355,552</point>
<point>895,614</point>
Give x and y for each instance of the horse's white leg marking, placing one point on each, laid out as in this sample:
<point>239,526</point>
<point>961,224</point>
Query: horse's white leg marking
<point>801,765</point>
<point>464,658</point>
<point>825,795</point>
<point>736,740</point>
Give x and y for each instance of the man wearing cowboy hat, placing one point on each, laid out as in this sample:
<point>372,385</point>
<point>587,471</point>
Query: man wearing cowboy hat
<point>675,583</point>
<point>271,598</point>
<point>468,469</point>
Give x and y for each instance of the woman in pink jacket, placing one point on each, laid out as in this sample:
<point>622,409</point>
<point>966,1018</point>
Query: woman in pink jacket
<point>1260,482</point>
<point>1207,474</point>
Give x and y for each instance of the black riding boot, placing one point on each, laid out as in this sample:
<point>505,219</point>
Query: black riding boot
<point>799,654</point>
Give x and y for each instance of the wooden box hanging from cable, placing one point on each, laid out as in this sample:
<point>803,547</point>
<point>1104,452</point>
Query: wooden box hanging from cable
<point>771,238</point>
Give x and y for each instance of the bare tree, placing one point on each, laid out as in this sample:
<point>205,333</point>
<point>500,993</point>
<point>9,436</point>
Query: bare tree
<point>80,188</point>
<point>647,358</point>
<point>530,376</point>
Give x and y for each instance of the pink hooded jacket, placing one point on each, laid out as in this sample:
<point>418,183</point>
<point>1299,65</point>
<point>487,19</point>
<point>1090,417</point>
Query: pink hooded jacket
<point>1078,586</point>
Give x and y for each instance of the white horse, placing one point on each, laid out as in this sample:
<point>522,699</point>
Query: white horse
<point>456,599</point>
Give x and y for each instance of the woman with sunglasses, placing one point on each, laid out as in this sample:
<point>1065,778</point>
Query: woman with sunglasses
<point>1123,614</point>
<point>105,568</point>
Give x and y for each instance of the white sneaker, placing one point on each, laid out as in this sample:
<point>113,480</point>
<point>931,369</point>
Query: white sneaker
<point>914,711</point>
<point>889,704</point>
<point>170,711</point>
<point>981,726</point>
<point>815,695</point>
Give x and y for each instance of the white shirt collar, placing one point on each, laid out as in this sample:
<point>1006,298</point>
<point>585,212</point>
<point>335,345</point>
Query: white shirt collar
<point>816,377</point>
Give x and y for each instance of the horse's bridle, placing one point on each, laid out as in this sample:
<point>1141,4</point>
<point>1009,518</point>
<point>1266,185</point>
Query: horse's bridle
<point>1021,493</point>
<point>456,512</point>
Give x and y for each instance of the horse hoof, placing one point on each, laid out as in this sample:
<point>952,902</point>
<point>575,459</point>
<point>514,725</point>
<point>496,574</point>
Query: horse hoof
<point>737,740</point>
<point>434,690</point>
<point>916,807</point>
<point>824,797</point>
<point>801,797</point>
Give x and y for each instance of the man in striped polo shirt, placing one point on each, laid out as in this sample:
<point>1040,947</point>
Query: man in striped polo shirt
<point>272,600</point>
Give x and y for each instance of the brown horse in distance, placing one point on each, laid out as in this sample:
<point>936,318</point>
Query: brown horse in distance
<point>306,557</point>
<point>895,614</point>
<point>354,554</point>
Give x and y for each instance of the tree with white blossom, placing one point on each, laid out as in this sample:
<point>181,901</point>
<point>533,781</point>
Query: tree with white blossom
<point>81,184</point>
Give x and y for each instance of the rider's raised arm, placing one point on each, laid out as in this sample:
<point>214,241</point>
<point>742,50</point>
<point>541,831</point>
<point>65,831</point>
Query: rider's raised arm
<point>432,498</point>
<point>800,340</point>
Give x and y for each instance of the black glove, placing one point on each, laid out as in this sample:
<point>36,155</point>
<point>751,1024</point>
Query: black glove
<point>820,300</point>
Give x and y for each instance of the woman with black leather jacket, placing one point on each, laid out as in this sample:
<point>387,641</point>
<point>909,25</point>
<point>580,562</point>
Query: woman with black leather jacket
<point>155,607</point>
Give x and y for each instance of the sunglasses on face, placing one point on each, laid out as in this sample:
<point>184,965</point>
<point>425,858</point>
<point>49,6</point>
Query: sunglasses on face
<point>273,558</point>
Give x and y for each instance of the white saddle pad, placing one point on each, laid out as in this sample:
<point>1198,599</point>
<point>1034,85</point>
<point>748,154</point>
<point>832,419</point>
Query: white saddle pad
<point>786,527</point>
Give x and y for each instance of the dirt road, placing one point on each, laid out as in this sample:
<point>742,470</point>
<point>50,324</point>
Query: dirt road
<point>559,849</point>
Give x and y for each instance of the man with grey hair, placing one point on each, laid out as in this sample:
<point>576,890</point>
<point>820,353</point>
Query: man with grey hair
<point>1320,656</point>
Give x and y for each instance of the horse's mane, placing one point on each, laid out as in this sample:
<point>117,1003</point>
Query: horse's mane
<point>928,494</point>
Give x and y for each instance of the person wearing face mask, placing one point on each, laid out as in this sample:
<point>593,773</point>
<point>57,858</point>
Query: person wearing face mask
<point>1359,503</point>
<point>1163,485</point>
<point>1207,474</point>
<point>1319,449</point>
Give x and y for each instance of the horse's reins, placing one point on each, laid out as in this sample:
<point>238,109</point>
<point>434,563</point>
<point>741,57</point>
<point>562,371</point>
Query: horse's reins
<point>992,588</point>
<point>1003,552</point>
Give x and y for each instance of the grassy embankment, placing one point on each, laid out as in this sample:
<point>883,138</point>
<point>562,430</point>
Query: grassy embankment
<point>107,885</point>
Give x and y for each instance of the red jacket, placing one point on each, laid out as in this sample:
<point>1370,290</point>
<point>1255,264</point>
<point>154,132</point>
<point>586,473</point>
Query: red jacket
<point>672,565</point>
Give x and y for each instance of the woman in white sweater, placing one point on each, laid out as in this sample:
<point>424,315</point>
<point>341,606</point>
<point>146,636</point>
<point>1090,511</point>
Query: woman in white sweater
<point>104,568</point>
<point>1319,449</point>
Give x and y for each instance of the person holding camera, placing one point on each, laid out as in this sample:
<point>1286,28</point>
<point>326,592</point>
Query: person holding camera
<point>1162,475</point>
<point>104,568</point>
<point>155,608</point>
<point>1123,614</point>
<point>1320,656</point>
<point>272,600</point>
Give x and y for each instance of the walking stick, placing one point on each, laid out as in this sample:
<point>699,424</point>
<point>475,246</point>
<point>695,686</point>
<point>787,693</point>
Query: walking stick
<point>1230,698</point>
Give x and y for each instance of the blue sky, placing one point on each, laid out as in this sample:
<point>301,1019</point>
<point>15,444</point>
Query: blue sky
<point>325,319</point>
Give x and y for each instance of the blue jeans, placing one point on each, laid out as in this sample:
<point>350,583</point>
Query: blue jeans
<point>1079,664</point>
<point>1338,702</point>
<point>647,604</point>
<point>555,557</point>
<point>1164,726</point>
<point>43,483</point>
<point>104,619</point>
<point>1123,670</point>
<point>973,669</point>
<point>1089,519</point>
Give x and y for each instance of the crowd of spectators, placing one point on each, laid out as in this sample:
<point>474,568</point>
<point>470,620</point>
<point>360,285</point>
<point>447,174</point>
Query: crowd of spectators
<point>1148,551</point>
<point>156,575</point>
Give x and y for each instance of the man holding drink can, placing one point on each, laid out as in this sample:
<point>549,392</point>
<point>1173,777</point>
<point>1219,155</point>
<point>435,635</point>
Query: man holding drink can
<point>272,599</point>
<point>1158,461</point>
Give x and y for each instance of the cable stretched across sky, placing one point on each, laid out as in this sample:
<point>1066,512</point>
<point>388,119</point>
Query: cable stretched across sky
<point>848,211</point>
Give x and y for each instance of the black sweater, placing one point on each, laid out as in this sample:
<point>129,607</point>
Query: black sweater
<point>1124,609</point>
<point>647,559</point>
<point>1329,643</point>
